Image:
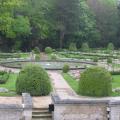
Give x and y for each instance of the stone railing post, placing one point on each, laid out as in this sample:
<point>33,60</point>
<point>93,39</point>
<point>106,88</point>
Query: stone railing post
<point>114,106</point>
<point>27,106</point>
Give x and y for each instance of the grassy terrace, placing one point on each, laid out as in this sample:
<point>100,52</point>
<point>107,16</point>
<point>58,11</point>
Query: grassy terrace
<point>74,84</point>
<point>10,85</point>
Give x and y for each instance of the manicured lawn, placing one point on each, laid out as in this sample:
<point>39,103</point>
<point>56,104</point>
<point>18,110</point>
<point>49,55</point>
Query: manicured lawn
<point>116,81</point>
<point>10,85</point>
<point>74,84</point>
<point>71,81</point>
<point>24,55</point>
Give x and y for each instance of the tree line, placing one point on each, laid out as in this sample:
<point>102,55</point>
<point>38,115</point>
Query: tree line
<point>25,24</point>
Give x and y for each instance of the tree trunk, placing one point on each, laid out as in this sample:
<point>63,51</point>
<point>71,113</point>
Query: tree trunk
<point>61,39</point>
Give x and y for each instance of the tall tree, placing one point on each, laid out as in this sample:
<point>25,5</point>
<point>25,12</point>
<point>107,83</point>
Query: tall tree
<point>107,19</point>
<point>8,18</point>
<point>65,15</point>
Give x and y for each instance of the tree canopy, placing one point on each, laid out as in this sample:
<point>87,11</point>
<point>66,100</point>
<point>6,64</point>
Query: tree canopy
<point>57,23</point>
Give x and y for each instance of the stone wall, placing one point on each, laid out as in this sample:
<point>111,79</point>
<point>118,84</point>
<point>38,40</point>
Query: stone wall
<point>86,109</point>
<point>80,112</point>
<point>17,111</point>
<point>11,113</point>
<point>114,111</point>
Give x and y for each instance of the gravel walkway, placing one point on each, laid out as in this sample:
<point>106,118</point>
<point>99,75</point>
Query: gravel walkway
<point>61,87</point>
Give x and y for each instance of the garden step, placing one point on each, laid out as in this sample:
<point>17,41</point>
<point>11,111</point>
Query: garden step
<point>40,112</point>
<point>42,116</point>
<point>40,109</point>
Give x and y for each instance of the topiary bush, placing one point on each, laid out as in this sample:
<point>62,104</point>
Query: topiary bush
<point>53,57</point>
<point>66,68</point>
<point>109,60</point>
<point>72,47</point>
<point>95,59</point>
<point>4,76</point>
<point>36,50</point>
<point>48,50</point>
<point>34,80</point>
<point>110,47</point>
<point>37,57</point>
<point>95,82</point>
<point>85,47</point>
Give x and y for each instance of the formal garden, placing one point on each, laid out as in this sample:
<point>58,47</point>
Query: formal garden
<point>81,44</point>
<point>89,72</point>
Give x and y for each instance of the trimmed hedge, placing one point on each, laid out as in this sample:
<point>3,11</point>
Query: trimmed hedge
<point>34,80</point>
<point>4,76</point>
<point>36,50</point>
<point>53,57</point>
<point>37,57</point>
<point>115,72</point>
<point>9,55</point>
<point>72,47</point>
<point>48,50</point>
<point>95,59</point>
<point>66,68</point>
<point>95,82</point>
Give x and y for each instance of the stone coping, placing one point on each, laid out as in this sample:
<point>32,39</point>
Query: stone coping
<point>3,64</point>
<point>27,101</point>
<point>11,106</point>
<point>77,100</point>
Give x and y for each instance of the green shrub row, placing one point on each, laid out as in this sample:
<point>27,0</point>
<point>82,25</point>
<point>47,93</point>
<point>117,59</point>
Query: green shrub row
<point>9,55</point>
<point>115,72</point>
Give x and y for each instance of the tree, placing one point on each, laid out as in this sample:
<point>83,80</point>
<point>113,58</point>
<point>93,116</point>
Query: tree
<point>65,14</point>
<point>106,16</point>
<point>36,11</point>
<point>118,30</point>
<point>11,24</point>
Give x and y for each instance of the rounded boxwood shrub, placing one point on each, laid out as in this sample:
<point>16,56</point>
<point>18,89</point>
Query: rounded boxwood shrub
<point>33,79</point>
<point>66,68</point>
<point>95,82</point>
<point>53,57</point>
<point>48,50</point>
<point>72,47</point>
<point>37,57</point>
<point>95,59</point>
<point>109,60</point>
<point>36,50</point>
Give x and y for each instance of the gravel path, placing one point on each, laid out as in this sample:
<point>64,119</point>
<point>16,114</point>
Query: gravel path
<point>61,87</point>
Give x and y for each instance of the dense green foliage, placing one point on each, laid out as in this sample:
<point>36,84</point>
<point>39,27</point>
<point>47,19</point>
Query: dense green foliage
<point>25,24</point>
<point>66,68</point>
<point>109,60</point>
<point>34,80</point>
<point>110,47</point>
<point>85,47</point>
<point>95,82</point>
<point>48,50</point>
<point>95,59</point>
<point>4,76</point>
<point>106,15</point>
<point>36,50</point>
<point>53,57</point>
<point>72,47</point>
<point>37,57</point>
